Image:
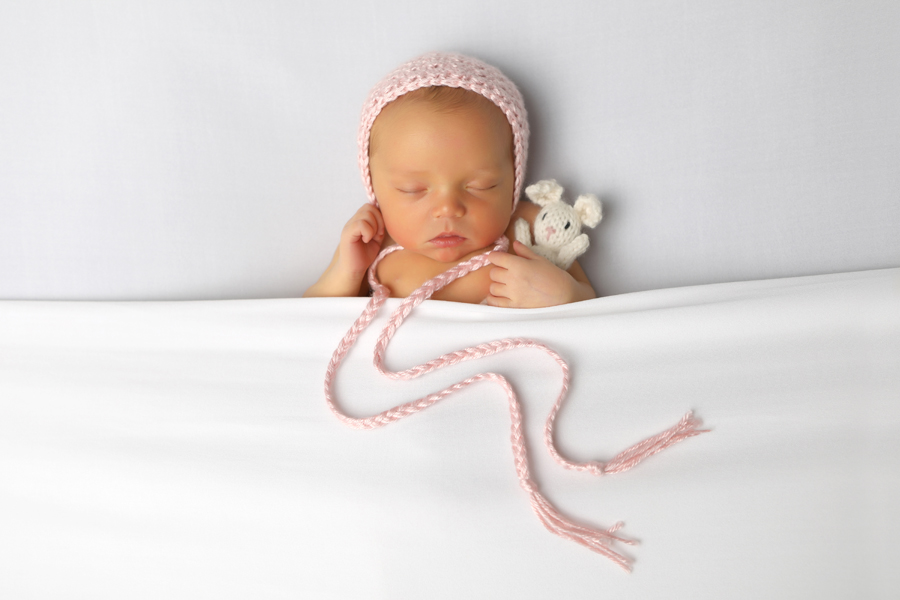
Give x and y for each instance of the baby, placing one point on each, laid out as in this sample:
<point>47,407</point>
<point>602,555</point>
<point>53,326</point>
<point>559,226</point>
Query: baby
<point>443,145</point>
<point>442,149</point>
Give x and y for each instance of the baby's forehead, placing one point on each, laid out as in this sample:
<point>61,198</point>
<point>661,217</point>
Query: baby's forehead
<point>438,100</point>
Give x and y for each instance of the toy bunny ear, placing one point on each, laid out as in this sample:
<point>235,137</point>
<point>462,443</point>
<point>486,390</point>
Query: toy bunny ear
<point>589,209</point>
<point>544,192</point>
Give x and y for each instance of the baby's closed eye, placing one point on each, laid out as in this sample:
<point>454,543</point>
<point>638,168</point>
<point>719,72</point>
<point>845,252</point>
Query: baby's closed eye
<point>482,186</point>
<point>411,189</point>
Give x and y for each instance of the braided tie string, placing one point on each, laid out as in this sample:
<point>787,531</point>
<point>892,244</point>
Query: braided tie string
<point>597,540</point>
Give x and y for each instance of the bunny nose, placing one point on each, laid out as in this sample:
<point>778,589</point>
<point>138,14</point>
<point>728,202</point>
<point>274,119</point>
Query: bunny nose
<point>551,231</point>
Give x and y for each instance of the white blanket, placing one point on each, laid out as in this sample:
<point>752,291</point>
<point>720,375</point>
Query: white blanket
<point>155,450</point>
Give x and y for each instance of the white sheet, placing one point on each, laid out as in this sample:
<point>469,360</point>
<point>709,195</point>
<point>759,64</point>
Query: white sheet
<point>184,449</point>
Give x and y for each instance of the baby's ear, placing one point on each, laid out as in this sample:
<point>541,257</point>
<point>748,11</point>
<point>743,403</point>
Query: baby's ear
<point>544,192</point>
<point>589,209</point>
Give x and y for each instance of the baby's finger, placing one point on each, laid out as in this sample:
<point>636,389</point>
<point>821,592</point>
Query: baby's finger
<point>367,230</point>
<point>524,251</point>
<point>499,274</point>
<point>371,215</point>
<point>500,290</point>
<point>379,221</point>
<point>501,259</point>
<point>498,301</point>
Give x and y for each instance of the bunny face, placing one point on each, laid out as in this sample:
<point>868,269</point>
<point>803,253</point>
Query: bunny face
<point>556,225</point>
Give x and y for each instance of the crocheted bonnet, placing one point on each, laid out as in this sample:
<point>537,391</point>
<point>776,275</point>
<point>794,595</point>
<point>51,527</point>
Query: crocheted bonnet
<point>450,70</point>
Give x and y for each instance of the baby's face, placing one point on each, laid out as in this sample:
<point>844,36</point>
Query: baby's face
<point>444,179</point>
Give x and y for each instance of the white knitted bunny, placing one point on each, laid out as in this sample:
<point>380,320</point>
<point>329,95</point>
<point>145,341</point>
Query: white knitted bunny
<point>557,228</point>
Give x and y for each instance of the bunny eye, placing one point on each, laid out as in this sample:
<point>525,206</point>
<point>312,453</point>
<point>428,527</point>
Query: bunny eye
<point>544,217</point>
<point>567,225</point>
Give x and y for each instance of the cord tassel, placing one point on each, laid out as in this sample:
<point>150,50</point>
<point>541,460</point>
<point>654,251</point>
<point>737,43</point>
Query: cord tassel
<point>687,427</point>
<point>597,540</point>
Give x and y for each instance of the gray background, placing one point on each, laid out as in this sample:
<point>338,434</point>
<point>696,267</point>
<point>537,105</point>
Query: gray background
<point>204,150</point>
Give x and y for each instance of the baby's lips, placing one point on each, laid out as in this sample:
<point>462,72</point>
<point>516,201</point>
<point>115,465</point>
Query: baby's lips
<point>447,240</point>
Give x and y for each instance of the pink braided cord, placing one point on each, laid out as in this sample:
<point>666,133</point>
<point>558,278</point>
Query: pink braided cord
<point>598,540</point>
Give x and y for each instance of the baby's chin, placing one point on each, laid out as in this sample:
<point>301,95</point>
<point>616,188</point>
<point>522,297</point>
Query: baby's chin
<point>454,255</point>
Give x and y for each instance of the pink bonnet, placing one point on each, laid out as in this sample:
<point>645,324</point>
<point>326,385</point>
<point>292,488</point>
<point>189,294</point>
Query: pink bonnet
<point>450,70</point>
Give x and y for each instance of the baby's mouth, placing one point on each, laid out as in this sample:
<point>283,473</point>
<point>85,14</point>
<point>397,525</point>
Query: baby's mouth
<point>447,240</point>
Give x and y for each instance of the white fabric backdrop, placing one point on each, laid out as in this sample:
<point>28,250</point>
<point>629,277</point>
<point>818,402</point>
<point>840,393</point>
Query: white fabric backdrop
<point>201,149</point>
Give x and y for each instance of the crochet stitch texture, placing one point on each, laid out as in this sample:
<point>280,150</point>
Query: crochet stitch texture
<point>450,70</point>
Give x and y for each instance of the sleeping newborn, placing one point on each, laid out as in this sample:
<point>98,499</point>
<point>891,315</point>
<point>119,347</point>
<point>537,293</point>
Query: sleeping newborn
<point>443,144</point>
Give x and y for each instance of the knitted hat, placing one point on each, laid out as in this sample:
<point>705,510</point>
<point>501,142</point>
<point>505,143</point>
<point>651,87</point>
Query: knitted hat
<point>450,70</point>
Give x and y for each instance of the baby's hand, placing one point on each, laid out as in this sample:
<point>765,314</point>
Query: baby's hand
<point>530,281</point>
<point>360,243</point>
<point>361,240</point>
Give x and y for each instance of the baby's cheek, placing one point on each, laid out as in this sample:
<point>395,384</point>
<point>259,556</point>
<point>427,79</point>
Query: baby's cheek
<point>497,221</point>
<point>396,226</point>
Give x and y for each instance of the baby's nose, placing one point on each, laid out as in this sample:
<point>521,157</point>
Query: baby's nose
<point>449,206</point>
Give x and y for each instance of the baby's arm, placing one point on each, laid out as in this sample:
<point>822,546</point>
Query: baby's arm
<point>360,243</point>
<point>528,280</point>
